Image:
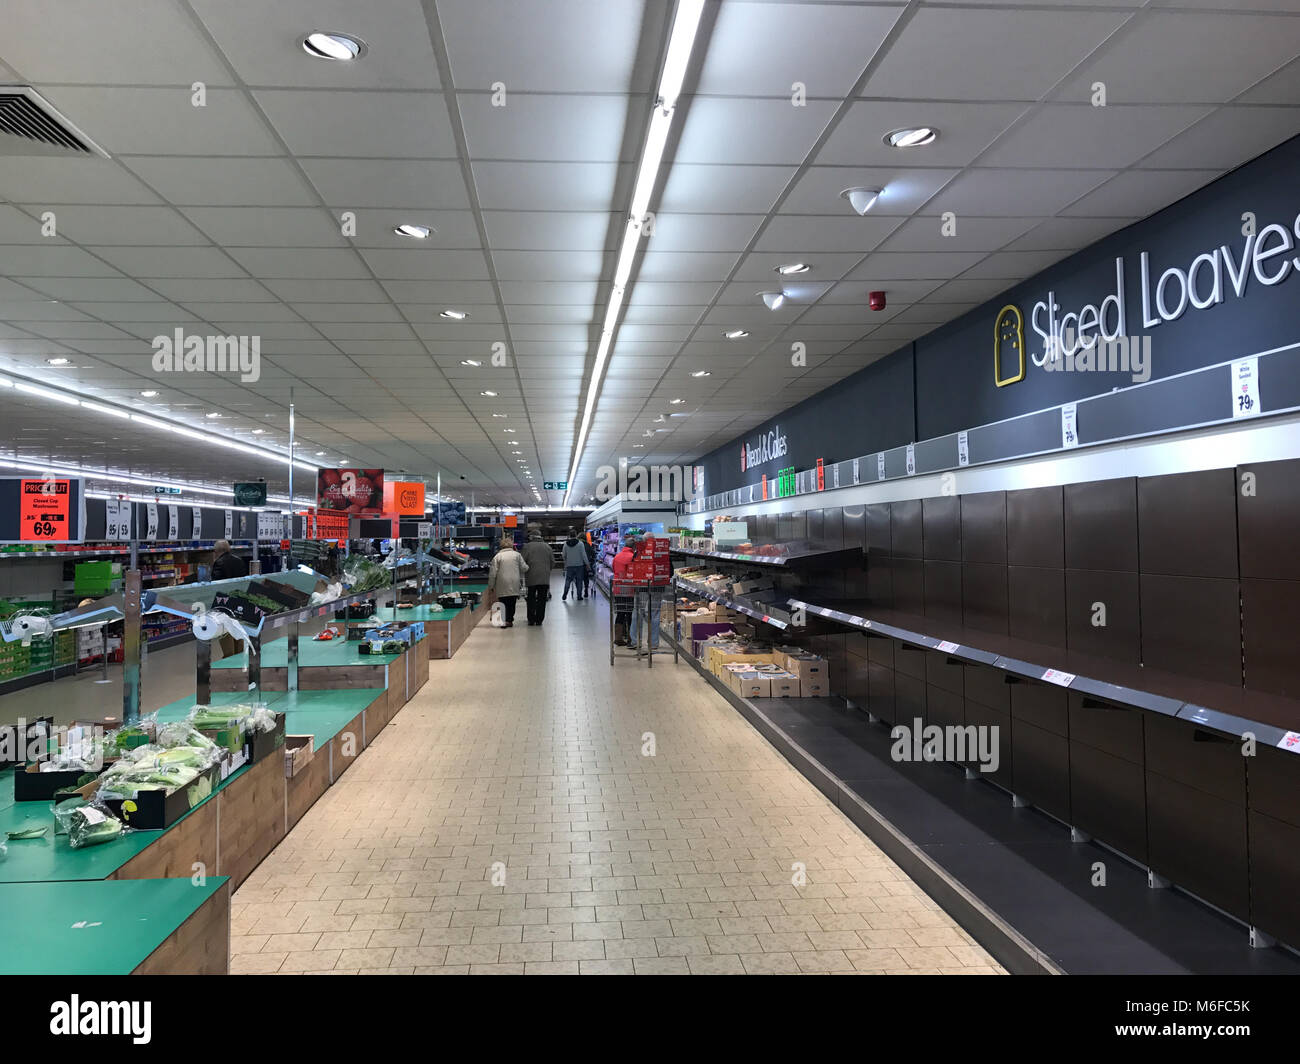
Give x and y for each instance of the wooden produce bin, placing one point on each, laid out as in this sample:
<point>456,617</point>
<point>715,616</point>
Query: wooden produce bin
<point>200,946</point>
<point>252,818</point>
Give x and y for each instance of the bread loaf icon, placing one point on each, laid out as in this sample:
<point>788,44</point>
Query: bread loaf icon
<point>1009,346</point>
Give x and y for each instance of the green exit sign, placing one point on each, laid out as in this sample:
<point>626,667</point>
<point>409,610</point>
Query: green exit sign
<point>555,485</point>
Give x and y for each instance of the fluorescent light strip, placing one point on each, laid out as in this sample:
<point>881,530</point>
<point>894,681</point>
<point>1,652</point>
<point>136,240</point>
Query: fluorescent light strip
<point>681,40</point>
<point>69,399</point>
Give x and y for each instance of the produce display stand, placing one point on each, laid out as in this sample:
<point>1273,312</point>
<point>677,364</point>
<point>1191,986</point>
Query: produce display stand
<point>446,629</point>
<point>231,831</point>
<point>140,926</point>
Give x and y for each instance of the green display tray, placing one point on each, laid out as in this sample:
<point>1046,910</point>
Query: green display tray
<point>78,928</point>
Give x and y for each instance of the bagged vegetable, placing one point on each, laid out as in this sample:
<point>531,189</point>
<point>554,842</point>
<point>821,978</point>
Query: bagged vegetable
<point>63,812</point>
<point>91,826</point>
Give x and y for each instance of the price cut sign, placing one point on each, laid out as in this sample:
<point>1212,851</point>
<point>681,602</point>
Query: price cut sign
<point>45,510</point>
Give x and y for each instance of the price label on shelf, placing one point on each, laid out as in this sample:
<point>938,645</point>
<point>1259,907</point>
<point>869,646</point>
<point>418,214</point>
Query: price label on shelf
<point>1061,679</point>
<point>197,527</point>
<point>858,621</point>
<point>1245,387</point>
<point>880,466</point>
<point>117,520</point>
<point>835,475</point>
<point>947,647</point>
<point>963,448</point>
<point>151,521</point>
<point>173,522</point>
<point>855,471</point>
<point>1290,741</point>
<point>1070,425</point>
<point>230,524</point>
<point>911,459</point>
<point>424,530</point>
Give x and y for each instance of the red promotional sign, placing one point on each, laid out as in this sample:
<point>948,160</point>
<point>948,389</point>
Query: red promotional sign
<point>45,511</point>
<point>821,476</point>
<point>356,492</point>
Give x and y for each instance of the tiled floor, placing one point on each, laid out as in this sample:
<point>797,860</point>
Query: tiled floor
<point>533,810</point>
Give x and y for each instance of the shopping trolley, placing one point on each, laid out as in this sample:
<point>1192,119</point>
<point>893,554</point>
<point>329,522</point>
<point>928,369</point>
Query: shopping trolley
<point>640,607</point>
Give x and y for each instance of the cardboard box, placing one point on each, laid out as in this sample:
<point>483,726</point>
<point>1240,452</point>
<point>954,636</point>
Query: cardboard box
<point>749,683</point>
<point>33,785</point>
<point>818,688</point>
<point>264,744</point>
<point>806,666</point>
<point>784,684</point>
<point>721,656</point>
<point>159,809</point>
<point>298,753</point>
<point>748,587</point>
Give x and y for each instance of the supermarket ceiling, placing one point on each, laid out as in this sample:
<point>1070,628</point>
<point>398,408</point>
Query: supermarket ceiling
<point>513,130</point>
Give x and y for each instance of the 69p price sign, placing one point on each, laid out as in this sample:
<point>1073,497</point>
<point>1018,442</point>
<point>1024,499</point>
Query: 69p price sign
<point>42,509</point>
<point>45,510</point>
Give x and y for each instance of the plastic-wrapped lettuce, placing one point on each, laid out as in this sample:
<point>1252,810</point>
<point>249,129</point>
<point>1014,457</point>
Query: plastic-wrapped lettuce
<point>63,812</point>
<point>182,733</point>
<point>217,718</point>
<point>260,720</point>
<point>91,826</point>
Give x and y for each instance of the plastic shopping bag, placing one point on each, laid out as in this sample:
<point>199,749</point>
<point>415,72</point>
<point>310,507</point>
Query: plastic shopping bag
<point>497,618</point>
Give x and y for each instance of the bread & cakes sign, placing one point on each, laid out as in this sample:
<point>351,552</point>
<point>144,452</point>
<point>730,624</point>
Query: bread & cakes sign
<point>763,448</point>
<point>1097,335</point>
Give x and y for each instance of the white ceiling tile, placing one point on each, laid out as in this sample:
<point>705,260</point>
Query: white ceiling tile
<point>705,188</point>
<point>157,121</point>
<point>392,125</point>
<point>1228,137</point>
<point>107,48</point>
<point>737,130</point>
<point>1149,62</point>
<point>903,191</point>
<point>568,128</point>
<point>1014,193</point>
<point>203,181</point>
<point>421,264</point>
<point>1140,191</point>
<point>944,53</point>
<point>561,46</point>
<point>262,43</point>
<point>534,186</point>
<point>351,184</point>
<point>762,49</point>
<point>812,233</point>
<point>1081,135</point>
<point>965,130</point>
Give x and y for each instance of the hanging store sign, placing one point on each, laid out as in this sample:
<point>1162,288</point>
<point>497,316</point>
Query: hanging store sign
<point>45,514</point>
<point>250,493</point>
<point>358,492</point>
<point>404,498</point>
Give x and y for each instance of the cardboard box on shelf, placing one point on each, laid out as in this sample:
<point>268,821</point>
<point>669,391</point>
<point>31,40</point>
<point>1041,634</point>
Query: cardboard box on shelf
<point>817,688</point>
<point>784,684</point>
<point>748,587</point>
<point>806,666</point>
<point>749,683</point>
<point>298,752</point>
<point>721,656</point>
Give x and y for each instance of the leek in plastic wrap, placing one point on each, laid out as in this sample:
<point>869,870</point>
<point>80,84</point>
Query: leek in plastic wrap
<point>260,720</point>
<point>89,826</point>
<point>183,733</point>
<point>217,718</point>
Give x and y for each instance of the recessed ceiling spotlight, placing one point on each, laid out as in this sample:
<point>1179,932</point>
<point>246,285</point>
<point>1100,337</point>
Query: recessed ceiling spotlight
<point>510,431</point>
<point>701,373</point>
<point>214,415</point>
<point>258,432</point>
<point>735,334</point>
<point>339,46</point>
<point>58,361</point>
<point>911,137</point>
<point>676,402</point>
<point>150,394</point>
<point>470,362</point>
<point>861,199</point>
<point>641,445</point>
<point>500,415</point>
<point>419,232</point>
<point>684,413</point>
<point>454,315</point>
<point>320,454</point>
<point>773,300</point>
<point>490,395</point>
<point>787,268</point>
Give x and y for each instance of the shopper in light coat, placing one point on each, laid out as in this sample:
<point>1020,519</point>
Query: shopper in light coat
<point>506,577</point>
<point>575,567</point>
<point>539,561</point>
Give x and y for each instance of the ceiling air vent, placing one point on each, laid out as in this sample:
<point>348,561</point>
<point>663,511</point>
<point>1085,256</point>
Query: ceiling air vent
<point>29,125</point>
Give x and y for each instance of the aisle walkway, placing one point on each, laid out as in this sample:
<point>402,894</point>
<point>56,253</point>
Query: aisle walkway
<point>512,819</point>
